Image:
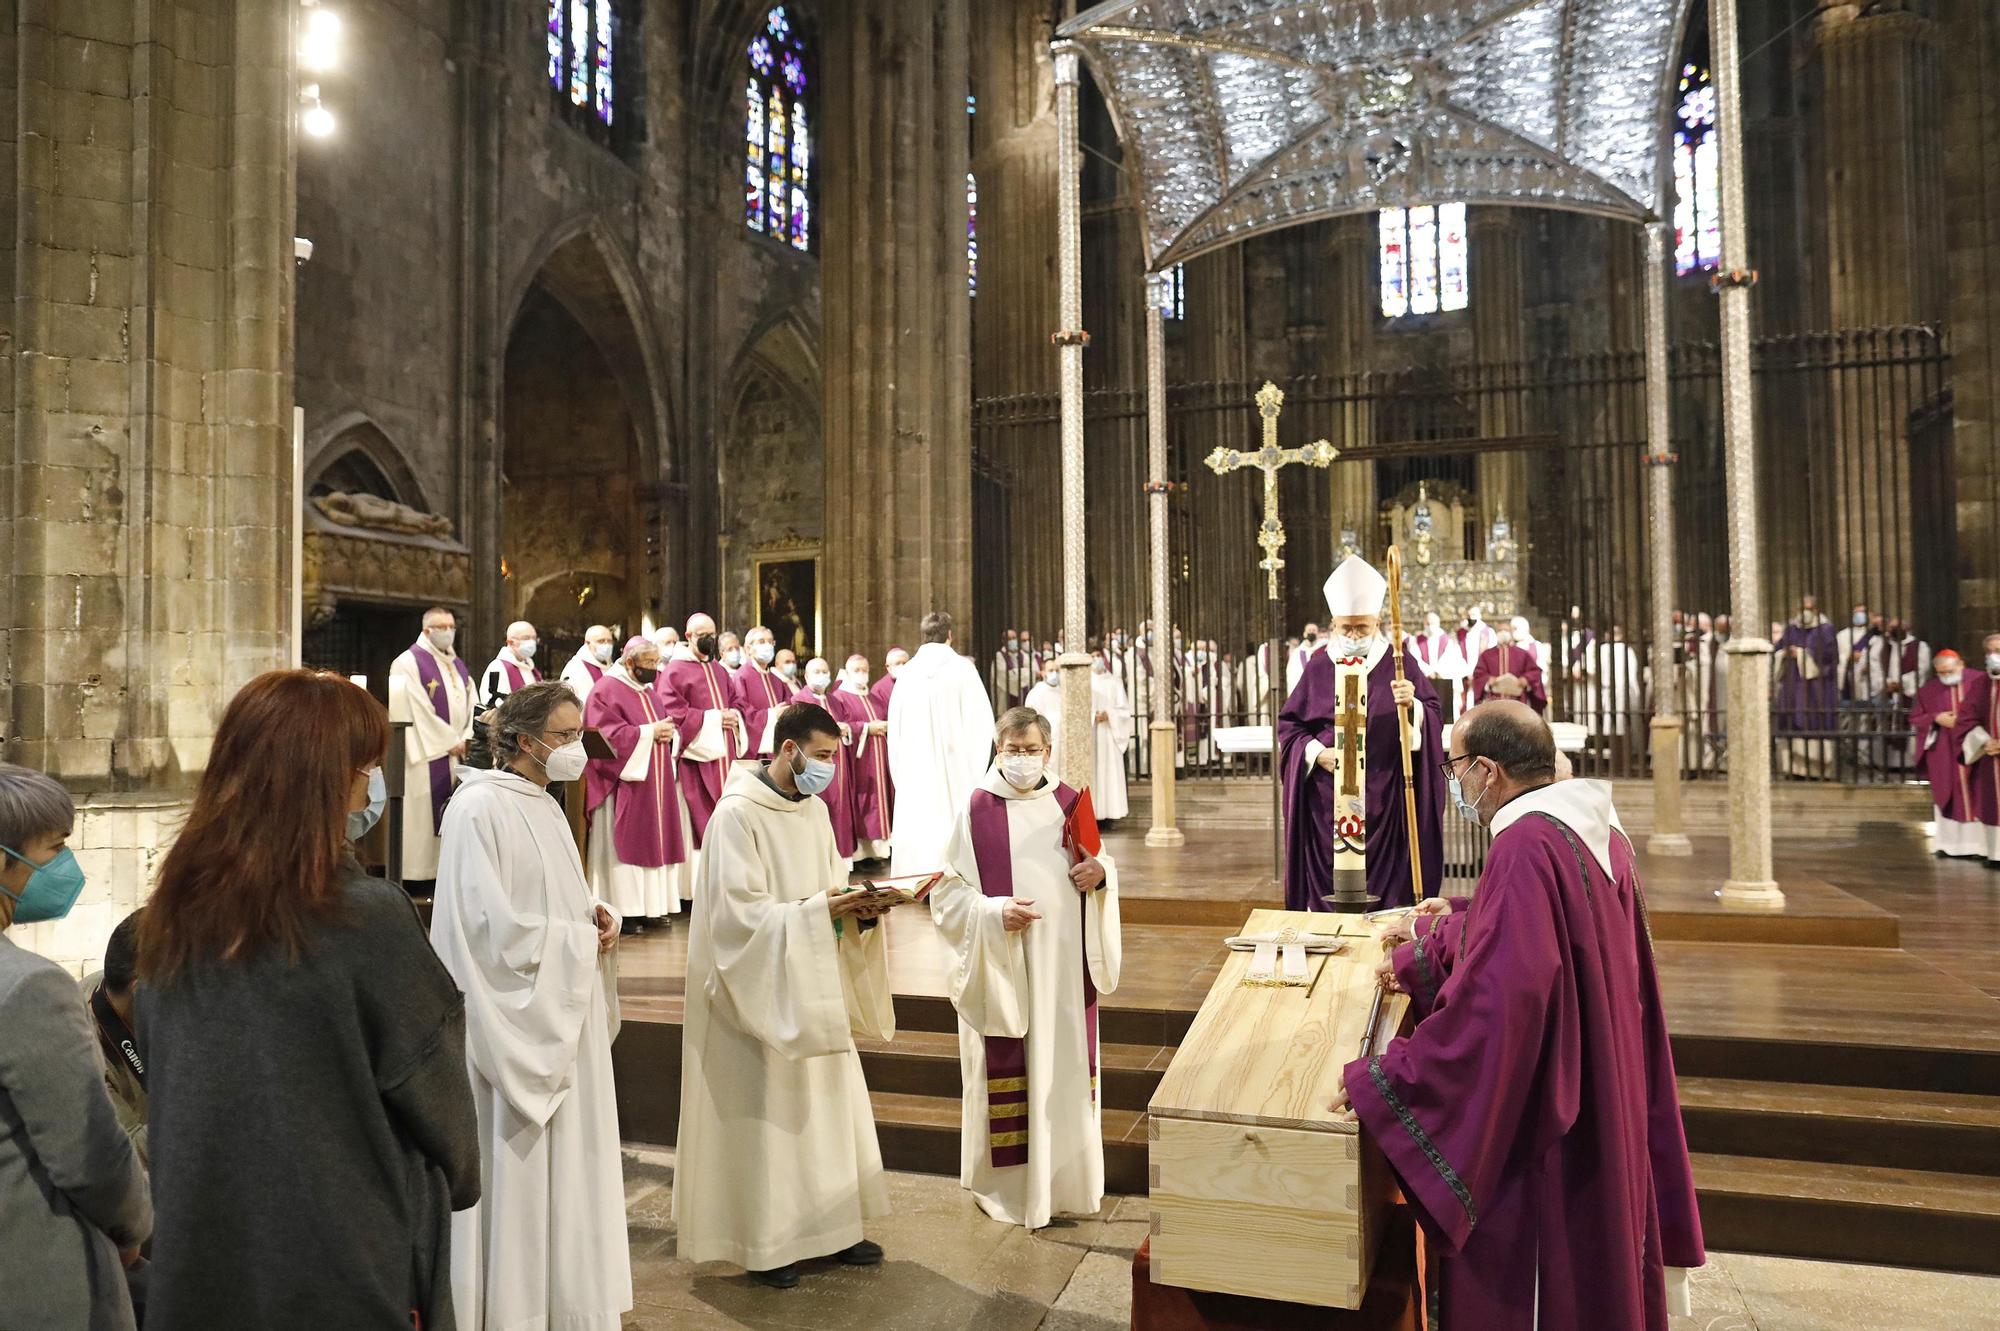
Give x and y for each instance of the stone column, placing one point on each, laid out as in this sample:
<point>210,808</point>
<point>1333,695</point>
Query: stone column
<point>1497,303</point>
<point>1354,309</point>
<point>146,358</point>
<point>1882,149</point>
<point>1667,837</point>
<point>1750,882</point>
<point>1078,749</point>
<point>1164,731</point>
<point>897,381</point>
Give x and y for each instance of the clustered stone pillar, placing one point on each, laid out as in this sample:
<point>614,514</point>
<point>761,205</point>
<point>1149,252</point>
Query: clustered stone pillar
<point>1078,750</point>
<point>146,348</point>
<point>1160,650</point>
<point>1498,291</point>
<point>1750,882</point>
<point>1667,837</point>
<point>897,327</point>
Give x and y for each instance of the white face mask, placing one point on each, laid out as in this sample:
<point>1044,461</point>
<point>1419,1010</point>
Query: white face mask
<point>442,639</point>
<point>1950,681</point>
<point>566,763</point>
<point>894,670</point>
<point>1053,679</point>
<point>763,652</point>
<point>733,657</point>
<point>1346,646</point>
<point>1022,770</point>
<point>602,651</point>
<point>858,680</point>
<point>817,682</point>
<point>525,649</point>
<point>790,670</point>
<point>1993,663</point>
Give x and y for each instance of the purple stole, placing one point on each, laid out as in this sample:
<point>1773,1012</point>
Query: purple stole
<point>433,678</point>
<point>1007,1057</point>
<point>516,681</point>
<point>595,671</point>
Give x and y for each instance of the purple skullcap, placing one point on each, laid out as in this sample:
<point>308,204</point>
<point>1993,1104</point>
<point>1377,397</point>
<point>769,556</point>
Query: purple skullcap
<point>634,643</point>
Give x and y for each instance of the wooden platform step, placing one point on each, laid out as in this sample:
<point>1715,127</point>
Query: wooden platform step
<point>926,1063</point>
<point>1850,1213</point>
<point>920,1133</point>
<point>1843,1125</point>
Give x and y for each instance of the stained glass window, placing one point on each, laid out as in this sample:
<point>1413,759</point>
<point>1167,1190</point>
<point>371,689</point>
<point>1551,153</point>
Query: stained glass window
<point>777,190</point>
<point>1697,210</point>
<point>1170,290</point>
<point>582,39</point>
<point>1423,260</point>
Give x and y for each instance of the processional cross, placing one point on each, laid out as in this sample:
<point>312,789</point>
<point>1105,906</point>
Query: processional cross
<point>1268,459</point>
<point>1271,539</point>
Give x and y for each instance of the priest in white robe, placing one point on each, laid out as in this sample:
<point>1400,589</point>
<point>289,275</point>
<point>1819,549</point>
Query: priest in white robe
<point>431,688</point>
<point>1113,711</point>
<point>513,667</point>
<point>940,737</point>
<point>1045,700</point>
<point>777,1161</point>
<point>1030,911</point>
<point>584,669</point>
<point>522,935</point>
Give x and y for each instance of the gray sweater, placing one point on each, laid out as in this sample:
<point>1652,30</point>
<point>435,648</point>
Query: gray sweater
<point>312,1130</point>
<point>71,1191</point>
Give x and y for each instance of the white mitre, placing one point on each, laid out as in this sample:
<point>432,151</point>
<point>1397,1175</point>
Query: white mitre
<point>1355,589</point>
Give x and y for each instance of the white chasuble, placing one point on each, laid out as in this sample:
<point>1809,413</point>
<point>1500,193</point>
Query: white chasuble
<point>515,925</point>
<point>1032,1143</point>
<point>777,1160</point>
<point>940,740</point>
<point>1114,737</point>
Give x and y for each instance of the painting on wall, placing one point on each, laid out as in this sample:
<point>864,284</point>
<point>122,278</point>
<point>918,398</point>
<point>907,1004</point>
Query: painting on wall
<point>787,588</point>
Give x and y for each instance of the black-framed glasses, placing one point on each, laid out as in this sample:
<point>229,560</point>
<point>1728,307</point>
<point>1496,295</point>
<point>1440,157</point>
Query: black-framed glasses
<point>1449,767</point>
<point>564,736</point>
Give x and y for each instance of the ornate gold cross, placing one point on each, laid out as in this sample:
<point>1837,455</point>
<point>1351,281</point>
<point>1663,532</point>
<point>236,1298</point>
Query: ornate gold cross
<point>1353,719</point>
<point>1268,459</point>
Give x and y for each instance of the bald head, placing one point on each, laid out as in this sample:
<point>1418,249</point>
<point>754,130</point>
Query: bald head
<point>1511,737</point>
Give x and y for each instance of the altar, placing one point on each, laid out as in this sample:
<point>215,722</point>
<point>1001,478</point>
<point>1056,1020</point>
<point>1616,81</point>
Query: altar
<point>1434,532</point>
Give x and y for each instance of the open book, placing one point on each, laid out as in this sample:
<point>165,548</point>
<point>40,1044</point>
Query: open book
<point>910,887</point>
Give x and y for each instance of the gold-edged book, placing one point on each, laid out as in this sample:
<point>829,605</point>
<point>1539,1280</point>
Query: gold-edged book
<point>910,887</point>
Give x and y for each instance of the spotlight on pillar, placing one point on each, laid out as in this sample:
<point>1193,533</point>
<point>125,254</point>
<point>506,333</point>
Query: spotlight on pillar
<point>315,120</point>
<point>319,40</point>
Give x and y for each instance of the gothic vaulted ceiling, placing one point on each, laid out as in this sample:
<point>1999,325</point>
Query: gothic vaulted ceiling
<point>1241,116</point>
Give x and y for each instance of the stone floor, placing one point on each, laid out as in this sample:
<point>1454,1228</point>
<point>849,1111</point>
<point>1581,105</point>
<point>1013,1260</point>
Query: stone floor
<point>949,1267</point>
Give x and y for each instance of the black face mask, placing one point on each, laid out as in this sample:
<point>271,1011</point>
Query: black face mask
<point>705,645</point>
<point>1312,637</point>
<point>645,674</point>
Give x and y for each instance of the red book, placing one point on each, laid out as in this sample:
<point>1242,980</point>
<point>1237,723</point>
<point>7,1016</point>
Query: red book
<point>1080,836</point>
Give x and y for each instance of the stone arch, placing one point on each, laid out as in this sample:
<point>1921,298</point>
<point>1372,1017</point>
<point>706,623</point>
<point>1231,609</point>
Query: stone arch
<point>355,436</point>
<point>585,450</point>
<point>770,464</point>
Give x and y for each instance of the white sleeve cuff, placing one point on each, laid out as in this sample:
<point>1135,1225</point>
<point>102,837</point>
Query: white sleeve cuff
<point>1313,750</point>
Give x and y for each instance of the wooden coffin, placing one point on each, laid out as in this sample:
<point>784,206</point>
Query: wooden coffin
<point>1254,1187</point>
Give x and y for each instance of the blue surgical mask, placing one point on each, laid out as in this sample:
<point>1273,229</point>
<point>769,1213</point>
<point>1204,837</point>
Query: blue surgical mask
<point>814,777</point>
<point>1859,619</point>
<point>361,821</point>
<point>1467,811</point>
<point>51,890</point>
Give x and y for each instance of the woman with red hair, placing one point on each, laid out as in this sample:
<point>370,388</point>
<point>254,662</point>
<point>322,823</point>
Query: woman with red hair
<point>312,1127</point>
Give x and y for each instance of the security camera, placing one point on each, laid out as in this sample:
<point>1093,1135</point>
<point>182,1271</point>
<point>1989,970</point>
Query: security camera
<point>302,249</point>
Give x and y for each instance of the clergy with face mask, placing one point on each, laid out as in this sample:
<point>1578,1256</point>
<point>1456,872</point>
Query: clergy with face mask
<point>761,692</point>
<point>1532,1117</point>
<point>514,667</point>
<point>1947,709</point>
<point>872,793</point>
<point>819,691</point>
<point>1981,748</point>
<point>1508,670</point>
<point>882,689</point>
<point>778,1162</point>
<point>431,688</point>
<point>638,847</point>
<point>1029,908</point>
<point>522,934</point>
<point>1045,700</point>
<point>584,669</point>
<point>699,697</point>
<point>1442,662</point>
<point>1340,750</point>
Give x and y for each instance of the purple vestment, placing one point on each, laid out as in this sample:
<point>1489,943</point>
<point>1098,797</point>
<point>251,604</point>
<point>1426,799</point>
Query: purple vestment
<point>1951,780</point>
<point>646,821</point>
<point>874,795</point>
<point>839,796</point>
<point>1310,714</point>
<point>759,692</point>
<point>1510,660</point>
<point>686,690</point>
<point>1807,704</point>
<point>440,700</point>
<point>1982,700</point>
<point>1532,1118</point>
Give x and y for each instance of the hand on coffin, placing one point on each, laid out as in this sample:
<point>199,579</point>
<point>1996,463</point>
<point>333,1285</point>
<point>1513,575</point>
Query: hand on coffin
<point>1087,875</point>
<point>607,929</point>
<point>1018,914</point>
<point>1433,906</point>
<point>1403,692</point>
<point>1385,975</point>
<point>1396,933</point>
<point>1328,759</point>
<point>1341,1106</point>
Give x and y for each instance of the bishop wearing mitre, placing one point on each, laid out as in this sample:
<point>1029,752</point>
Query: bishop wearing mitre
<point>1029,908</point>
<point>1340,749</point>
